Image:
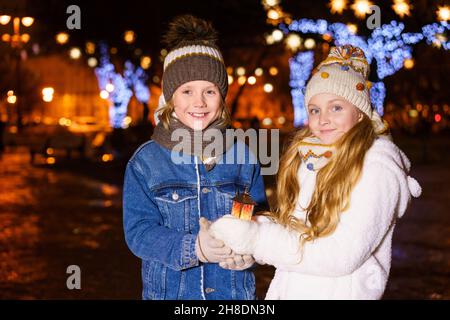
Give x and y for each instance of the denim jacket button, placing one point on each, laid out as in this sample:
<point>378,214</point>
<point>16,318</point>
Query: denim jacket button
<point>205,190</point>
<point>209,290</point>
<point>175,196</point>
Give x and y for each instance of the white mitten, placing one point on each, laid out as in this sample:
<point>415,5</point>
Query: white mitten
<point>240,235</point>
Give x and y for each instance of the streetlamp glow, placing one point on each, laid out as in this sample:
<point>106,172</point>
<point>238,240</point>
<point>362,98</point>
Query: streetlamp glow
<point>47,94</point>
<point>27,21</point>
<point>4,19</point>
<point>11,99</point>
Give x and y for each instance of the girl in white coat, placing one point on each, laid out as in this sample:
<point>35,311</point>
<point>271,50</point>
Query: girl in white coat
<point>342,185</point>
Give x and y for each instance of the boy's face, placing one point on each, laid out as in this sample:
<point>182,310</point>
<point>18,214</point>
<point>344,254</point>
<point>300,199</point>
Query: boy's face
<point>197,103</point>
<point>330,117</point>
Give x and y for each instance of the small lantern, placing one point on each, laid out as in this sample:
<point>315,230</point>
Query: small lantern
<point>243,205</point>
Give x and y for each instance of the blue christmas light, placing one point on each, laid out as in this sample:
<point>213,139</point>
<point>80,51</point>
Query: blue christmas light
<point>136,78</point>
<point>431,31</point>
<point>388,45</point>
<point>121,94</point>
<point>377,95</point>
<point>301,66</point>
<point>389,49</point>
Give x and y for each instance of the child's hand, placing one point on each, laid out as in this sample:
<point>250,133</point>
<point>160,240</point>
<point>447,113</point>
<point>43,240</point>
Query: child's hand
<point>239,235</point>
<point>238,262</point>
<point>209,249</point>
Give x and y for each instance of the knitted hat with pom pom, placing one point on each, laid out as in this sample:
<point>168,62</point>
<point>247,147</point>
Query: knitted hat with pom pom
<point>193,55</point>
<point>344,73</point>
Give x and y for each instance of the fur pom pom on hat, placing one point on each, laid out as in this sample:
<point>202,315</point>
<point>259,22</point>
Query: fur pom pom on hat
<point>193,55</point>
<point>344,73</point>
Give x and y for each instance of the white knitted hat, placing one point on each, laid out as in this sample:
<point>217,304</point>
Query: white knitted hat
<point>344,73</point>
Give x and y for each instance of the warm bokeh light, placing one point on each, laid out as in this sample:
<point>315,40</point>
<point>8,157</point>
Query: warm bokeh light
<point>361,8</point>
<point>10,93</point>
<point>65,122</point>
<point>268,87</point>
<point>240,71</point>
<point>129,36</point>
<point>293,41</point>
<point>104,94</point>
<point>146,62</point>
<point>51,160</point>
<point>6,37</point>
<point>352,28</point>
<point>309,43</point>
<point>267,121</point>
<point>25,37</point>
<point>107,157</point>
<point>413,113</point>
<point>92,62</point>
<point>273,14</point>
<point>5,19</point>
<point>109,87</point>
<point>401,7</point>
<point>277,35</point>
<point>62,38</point>
<point>242,80</point>
<point>408,63</point>
<point>230,79</point>
<point>269,39</point>
<point>273,71</point>
<point>75,53</point>
<point>259,72</point>
<point>270,3</point>
<point>337,6</point>
<point>11,99</point>
<point>47,94</point>
<point>251,80</point>
<point>443,13</point>
<point>127,120</point>
<point>27,21</point>
<point>90,47</point>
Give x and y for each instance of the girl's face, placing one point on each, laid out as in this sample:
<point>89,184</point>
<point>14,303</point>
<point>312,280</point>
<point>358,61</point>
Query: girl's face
<point>197,103</point>
<point>331,116</point>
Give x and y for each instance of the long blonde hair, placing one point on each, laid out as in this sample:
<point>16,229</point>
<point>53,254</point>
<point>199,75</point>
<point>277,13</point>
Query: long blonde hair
<point>334,182</point>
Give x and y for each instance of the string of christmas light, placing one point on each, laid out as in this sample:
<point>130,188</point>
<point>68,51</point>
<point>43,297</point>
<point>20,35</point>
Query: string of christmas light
<point>119,89</point>
<point>389,45</point>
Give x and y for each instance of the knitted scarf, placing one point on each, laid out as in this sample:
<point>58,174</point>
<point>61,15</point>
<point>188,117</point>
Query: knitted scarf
<point>191,141</point>
<point>314,153</point>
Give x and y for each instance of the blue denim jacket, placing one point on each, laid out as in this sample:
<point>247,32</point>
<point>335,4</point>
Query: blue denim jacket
<point>162,204</point>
